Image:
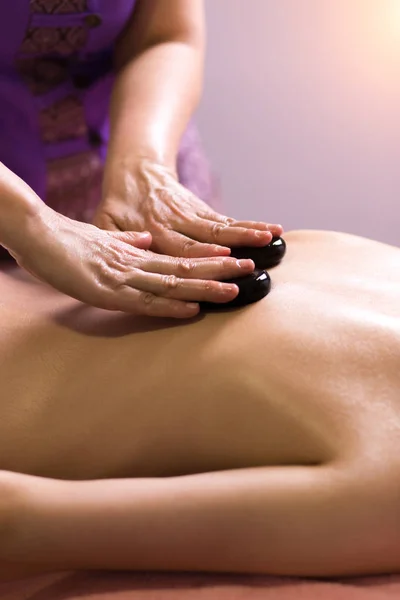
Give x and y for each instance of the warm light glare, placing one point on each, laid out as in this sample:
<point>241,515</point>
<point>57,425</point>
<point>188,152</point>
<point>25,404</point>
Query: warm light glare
<point>392,17</point>
<point>382,21</point>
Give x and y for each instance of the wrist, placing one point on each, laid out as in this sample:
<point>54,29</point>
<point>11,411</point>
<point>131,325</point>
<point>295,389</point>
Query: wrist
<point>150,143</point>
<point>133,173</point>
<point>21,212</point>
<point>26,227</point>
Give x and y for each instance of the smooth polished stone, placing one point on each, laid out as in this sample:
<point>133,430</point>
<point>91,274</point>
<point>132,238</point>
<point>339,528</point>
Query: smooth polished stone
<point>265,257</point>
<point>252,288</point>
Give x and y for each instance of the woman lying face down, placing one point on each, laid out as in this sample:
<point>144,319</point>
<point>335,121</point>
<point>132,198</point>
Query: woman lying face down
<point>263,440</point>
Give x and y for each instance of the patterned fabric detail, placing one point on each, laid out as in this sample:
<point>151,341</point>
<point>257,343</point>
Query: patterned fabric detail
<point>54,40</point>
<point>73,182</point>
<point>42,74</point>
<point>74,185</point>
<point>63,120</point>
<point>58,7</point>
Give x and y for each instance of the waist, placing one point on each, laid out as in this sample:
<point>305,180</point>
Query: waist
<point>152,408</point>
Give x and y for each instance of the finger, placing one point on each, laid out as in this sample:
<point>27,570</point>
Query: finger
<point>214,232</point>
<point>174,243</point>
<point>276,230</point>
<point>138,302</point>
<point>138,239</point>
<point>217,268</point>
<point>178,288</point>
<point>211,215</point>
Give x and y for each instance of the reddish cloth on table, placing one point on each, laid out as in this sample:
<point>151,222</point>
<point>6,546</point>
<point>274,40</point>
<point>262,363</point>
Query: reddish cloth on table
<point>154,586</point>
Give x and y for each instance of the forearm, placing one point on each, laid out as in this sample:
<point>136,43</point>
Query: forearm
<point>153,99</point>
<point>130,524</point>
<point>156,91</point>
<point>284,520</point>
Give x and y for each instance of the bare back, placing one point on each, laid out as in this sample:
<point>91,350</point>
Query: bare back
<point>309,374</point>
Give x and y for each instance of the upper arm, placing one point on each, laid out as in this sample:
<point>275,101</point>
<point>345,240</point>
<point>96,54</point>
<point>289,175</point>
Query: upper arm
<point>157,21</point>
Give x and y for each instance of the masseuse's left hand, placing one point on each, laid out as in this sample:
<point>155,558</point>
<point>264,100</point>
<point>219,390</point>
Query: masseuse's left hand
<point>150,198</point>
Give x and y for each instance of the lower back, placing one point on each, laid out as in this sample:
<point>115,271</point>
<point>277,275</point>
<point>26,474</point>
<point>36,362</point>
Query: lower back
<point>303,376</point>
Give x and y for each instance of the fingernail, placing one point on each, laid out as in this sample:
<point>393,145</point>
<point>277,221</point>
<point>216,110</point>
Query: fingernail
<point>244,262</point>
<point>264,236</point>
<point>228,289</point>
<point>192,305</point>
<point>222,250</point>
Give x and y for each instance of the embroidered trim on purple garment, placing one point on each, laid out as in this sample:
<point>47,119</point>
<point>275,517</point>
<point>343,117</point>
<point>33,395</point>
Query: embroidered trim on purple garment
<point>74,185</point>
<point>73,182</point>
<point>42,75</point>
<point>58,7</point>
<point>54,40</point>
<point>63,120</point>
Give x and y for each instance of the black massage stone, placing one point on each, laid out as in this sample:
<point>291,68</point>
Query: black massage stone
<point>264,258</point>
<point>252,288</point>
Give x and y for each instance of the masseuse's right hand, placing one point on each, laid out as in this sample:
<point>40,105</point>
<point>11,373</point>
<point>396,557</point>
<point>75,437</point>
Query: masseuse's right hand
<point>115,271</point>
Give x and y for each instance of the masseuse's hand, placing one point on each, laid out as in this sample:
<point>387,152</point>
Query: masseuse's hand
<point>113,270</point>
<point>150,198</point>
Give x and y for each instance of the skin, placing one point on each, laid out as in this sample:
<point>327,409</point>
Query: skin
<point>264,440</point>
<point>154,248</point>
<point>110,270</point>
<point>159,64</point>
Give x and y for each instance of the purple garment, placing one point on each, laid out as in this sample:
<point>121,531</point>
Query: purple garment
<point>56,77</point>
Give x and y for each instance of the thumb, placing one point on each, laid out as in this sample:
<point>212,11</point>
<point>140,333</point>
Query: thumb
<point>139,239</point>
